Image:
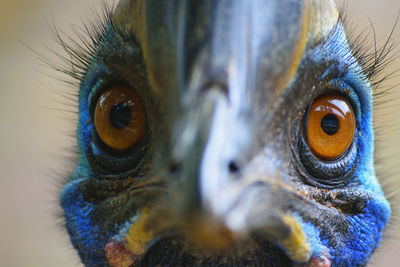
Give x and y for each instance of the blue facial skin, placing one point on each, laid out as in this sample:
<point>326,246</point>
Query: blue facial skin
<point>90,232</point>
<point>364,229</point>
<point>86,235</point>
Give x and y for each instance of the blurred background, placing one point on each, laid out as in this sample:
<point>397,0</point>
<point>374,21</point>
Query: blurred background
<point>37,128</point>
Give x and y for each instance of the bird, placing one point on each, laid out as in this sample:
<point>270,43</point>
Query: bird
<point>223,133</point>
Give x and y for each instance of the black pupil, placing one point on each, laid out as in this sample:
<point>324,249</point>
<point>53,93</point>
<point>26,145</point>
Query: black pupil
<point>330,124</point>
<point>120,115</point>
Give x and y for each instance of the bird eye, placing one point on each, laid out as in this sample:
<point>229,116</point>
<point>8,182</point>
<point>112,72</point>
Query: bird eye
<point>330,126</point>
<point>119,117</point>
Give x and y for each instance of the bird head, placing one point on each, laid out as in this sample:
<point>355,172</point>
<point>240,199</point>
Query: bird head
<point>224,132</point>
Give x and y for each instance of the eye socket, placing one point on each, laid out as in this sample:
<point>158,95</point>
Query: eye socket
<point>119,117</point>
<point>330,126</point>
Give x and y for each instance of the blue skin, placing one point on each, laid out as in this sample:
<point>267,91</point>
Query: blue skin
<point>366,228</point>
<point>364,233</point>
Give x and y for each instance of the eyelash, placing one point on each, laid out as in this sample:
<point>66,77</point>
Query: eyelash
<point>80,49</point>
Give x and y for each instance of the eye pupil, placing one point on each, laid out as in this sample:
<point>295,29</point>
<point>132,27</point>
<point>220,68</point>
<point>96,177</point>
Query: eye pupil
<point>120,115</point>
<point>330,124</point>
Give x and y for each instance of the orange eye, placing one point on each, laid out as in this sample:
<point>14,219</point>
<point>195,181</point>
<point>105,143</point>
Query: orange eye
<point>119,117</point>
<point>330,126</point>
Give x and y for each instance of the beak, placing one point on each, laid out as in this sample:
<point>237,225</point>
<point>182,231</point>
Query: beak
<point>221,68</point>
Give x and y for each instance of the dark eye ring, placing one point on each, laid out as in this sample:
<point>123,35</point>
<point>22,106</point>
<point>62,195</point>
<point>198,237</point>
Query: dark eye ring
<point>315,162</point>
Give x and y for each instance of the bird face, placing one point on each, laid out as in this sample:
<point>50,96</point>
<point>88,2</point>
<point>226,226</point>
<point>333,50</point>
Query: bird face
<point>224,132</point>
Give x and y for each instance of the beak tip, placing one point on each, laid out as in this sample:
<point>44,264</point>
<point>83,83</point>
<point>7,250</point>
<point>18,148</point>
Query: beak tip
<point>209,233</point>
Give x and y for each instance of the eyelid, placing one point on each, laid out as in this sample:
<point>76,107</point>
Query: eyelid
<point>342,87</point>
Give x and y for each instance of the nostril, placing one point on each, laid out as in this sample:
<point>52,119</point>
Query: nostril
<point>173,167</point>
<point>233,167</point>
